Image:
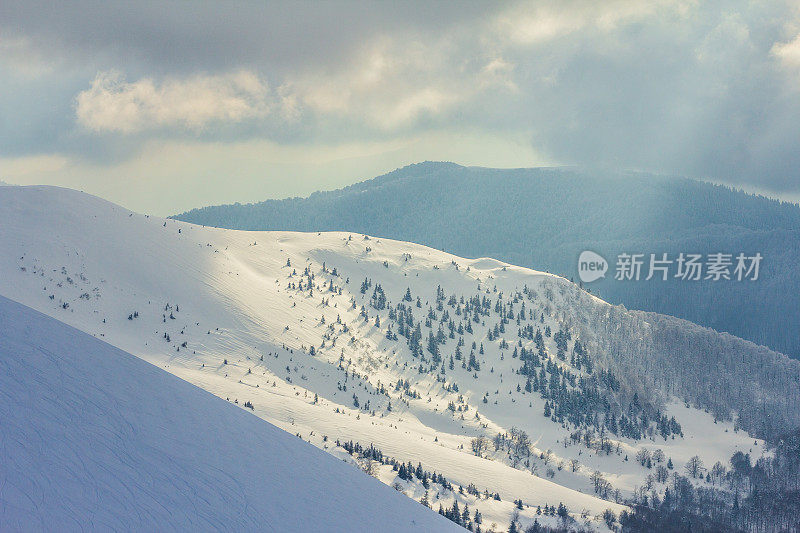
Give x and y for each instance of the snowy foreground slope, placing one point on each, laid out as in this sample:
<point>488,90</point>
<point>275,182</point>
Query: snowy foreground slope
<point>390,354</point>
<point>94,438</point>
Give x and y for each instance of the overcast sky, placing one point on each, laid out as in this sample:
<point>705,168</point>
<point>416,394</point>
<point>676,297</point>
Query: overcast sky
<point>163,107</point>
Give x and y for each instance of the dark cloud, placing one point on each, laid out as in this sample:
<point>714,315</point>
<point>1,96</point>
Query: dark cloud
<point>698,89</point>
<point>170,37</point>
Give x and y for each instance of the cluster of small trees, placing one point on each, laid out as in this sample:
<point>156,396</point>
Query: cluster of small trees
<point>760,497</point>
<point>370,457</point>
<point>583,395</point>
<point>462,518</point>
<point>516,442</point>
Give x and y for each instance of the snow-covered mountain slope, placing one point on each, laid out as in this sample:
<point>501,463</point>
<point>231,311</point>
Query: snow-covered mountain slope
<point>94,438</point>
<point>338,337</point>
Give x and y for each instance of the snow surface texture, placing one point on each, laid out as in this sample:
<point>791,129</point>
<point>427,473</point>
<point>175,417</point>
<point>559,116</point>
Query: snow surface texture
<point>95,438</point>
<point>222,310</point>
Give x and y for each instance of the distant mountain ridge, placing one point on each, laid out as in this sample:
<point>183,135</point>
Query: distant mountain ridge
<point>544,217</point>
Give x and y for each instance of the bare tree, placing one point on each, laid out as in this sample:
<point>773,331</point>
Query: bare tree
<point>479,445</point>
<point>694,467</point>
<point>547,457</point>
<point>370,466</point>
<point>642,456</point>
<point>597,480</point>
<point>662,473</point>
<point>718,472</point>
<point>658,456</point>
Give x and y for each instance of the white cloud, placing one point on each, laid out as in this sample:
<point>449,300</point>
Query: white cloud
<point>499,72</point>
<point>789,52</point>
<point>394,83</point>
<point>411,106</point>
<point>113,104</point>
<point>540,24</point>
<point>387,85</point>
<point>532,24</point>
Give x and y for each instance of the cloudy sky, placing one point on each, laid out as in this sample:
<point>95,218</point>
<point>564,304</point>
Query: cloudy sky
<point>162,107</point>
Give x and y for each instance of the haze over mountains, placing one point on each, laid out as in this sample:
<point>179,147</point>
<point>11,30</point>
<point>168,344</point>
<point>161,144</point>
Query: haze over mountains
<point>460,382</point>
<point>544,217</point>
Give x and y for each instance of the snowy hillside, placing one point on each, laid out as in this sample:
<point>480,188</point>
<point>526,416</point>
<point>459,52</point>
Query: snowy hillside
<point>94,438</point>
<point>459,382</point>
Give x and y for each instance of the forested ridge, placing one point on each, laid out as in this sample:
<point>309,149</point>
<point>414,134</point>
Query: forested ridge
<point>544,217</point>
